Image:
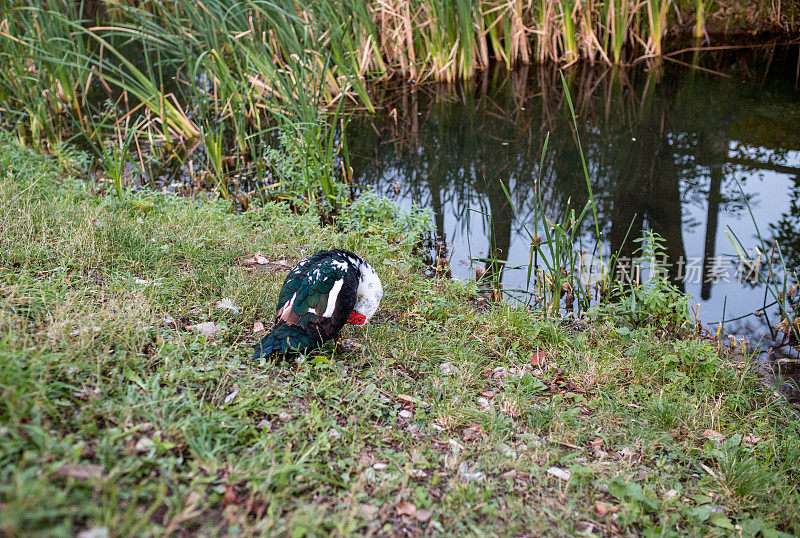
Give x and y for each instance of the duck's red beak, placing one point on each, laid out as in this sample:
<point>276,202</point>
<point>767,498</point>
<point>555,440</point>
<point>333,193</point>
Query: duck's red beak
<point>356,318</point>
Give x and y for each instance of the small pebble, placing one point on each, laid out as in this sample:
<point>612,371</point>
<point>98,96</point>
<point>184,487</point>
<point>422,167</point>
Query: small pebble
<point>561,474</point>
<point>264,425</point>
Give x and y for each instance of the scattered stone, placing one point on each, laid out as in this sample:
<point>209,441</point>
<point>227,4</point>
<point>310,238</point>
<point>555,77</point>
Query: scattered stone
<point>232,396</point>
<point>713,435</point>
<point>379,466</point>
<point>264,425</point>
<point>258,327</point>
<point>207,328</point>
<point>463,470</point>
<point>447,369</point>
<point>144,445</point>
<point>437,427</point>
<point>484,403</point>
<point>418,473</point>
<point>561,474</point>
<point>284,416</point>
<point>334,434</point>
<point>507,451</point>
<point>509,474</point>
<point>671,494</point>
<point>455,446</point>
<point>405,414</point>
<point>80,471</point>
<point>94,532</point>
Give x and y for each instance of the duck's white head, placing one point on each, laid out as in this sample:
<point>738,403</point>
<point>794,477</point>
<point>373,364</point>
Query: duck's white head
<point>369,295</point>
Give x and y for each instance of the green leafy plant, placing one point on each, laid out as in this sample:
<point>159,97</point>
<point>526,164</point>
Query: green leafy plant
<point>655,302</point>
<point>372,212</point>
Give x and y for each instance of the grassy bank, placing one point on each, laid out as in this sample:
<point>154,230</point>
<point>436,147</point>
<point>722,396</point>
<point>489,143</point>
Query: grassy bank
<point>451,415</point>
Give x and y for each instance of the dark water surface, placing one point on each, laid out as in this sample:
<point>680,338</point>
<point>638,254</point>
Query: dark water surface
<point>667,149</point>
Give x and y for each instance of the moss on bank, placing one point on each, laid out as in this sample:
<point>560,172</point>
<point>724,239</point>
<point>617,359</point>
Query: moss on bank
<point>450,415</point>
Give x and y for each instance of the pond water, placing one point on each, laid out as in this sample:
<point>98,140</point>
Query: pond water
<point>701,155</point>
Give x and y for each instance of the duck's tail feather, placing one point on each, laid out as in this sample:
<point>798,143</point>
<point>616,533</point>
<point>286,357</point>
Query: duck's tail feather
<point>285,338</point>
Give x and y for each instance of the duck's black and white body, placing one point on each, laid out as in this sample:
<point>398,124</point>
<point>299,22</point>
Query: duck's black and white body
<point>321,294</point>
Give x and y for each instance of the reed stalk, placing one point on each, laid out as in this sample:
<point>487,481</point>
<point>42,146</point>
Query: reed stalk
<point>657,21</point>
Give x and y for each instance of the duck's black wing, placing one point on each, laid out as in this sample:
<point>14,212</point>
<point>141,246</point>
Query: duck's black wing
<point>314,303</point>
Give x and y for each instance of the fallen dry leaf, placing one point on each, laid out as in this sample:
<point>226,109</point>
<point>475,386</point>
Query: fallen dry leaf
<point>627,452</point>
<point>258,327</point>
<point>472,432</point>
<point>538,358</point>
<point>605,508</point>
<point>405,509</point>
<point>230,496</point>
<point>597,444</point>
<point>713,435</point>
<point>423,515</point>
<point>488,393</point>
<point>406,398</point>
<point>750,440</point>
<point>227,304</point>
<point>367,511</point>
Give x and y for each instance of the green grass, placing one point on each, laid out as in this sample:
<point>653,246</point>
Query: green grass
<point>113,417</point>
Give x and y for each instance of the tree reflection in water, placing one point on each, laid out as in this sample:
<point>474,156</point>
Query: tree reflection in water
<point>665,147</point>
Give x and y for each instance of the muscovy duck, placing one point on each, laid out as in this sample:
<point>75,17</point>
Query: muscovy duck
<point>321,294</point>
